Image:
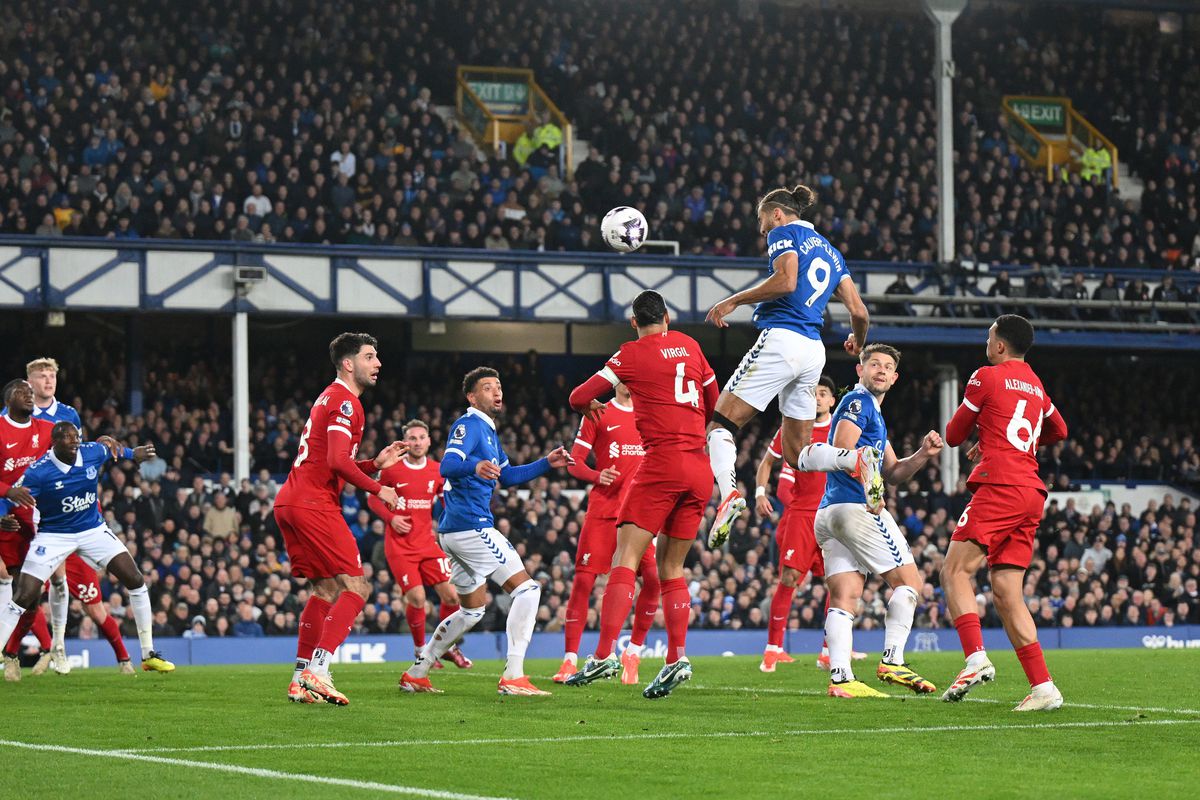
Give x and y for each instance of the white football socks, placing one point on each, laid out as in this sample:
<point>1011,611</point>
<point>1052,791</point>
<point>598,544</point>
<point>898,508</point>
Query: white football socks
<point>839,632</point>
<point>59,598</point>
<point>5,591</point>
<point>822,457</point>
<point>143,617</point>
<point>898,623</point>
<point>977,659</point>
<point>521,616</point>
<point>10,616</point>
<point>448,631</point>
<point>722,456</point>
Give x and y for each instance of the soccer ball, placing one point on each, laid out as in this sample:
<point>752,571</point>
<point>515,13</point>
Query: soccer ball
<point>624,229</point>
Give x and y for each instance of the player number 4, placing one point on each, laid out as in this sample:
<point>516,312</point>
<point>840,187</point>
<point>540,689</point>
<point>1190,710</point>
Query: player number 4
<point>690,395</point>
<point>1023,434</point>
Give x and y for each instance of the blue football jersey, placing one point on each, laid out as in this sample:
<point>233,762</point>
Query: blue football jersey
<point>468,499</point>
<point>67,495</point>
<point>860,407</point>
<point>55,412</point>
<point>821,269</point>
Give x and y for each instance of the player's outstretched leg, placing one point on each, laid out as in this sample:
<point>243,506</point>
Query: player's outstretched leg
<point>677,610</point>
<point>839,626</point>
<point>722,456</point>
<point>644,610</point>
<point>312,622</point>
<point>576,618</point>
<point>898,623</point>
<point>963,560</point>
<point>416,678</point>
<point>526,597</point>
<point>781,609</point>
<point>614,609</point>
<point>60,598</point>
<point>336,628</point>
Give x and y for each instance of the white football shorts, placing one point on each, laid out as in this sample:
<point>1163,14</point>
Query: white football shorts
<point>48,550</point>
<point>853,539</point>
<point>477,555</point>
<point>782,364</point>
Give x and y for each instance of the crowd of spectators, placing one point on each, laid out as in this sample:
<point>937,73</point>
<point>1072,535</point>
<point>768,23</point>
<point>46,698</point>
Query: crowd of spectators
<point>316,122</point>
<point>217,565</point>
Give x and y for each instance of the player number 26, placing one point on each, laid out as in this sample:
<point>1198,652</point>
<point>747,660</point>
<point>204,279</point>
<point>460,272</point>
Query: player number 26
<point>690,395</point>
<point>1023,434</point>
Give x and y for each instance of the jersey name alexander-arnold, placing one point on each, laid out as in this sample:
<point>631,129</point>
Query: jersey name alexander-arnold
<point>1019,386</point>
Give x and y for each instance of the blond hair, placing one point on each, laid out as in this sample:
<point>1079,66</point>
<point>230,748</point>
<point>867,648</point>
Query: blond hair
<point>39,364</point>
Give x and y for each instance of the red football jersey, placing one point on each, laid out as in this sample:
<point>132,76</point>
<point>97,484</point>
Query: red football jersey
<point>666,374</point>
<point>418,486</point>
<point>20,446</point>
<point>311,481</point>
<point>1012,407</point>
<point>616,443</point>
<point>804,490</point>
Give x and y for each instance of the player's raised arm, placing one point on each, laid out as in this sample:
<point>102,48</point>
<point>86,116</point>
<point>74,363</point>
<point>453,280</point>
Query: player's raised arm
<point>898,470</point>
<point>780,283</point>
<point>580,451</point>
<point>963,421</point>
<point>343,466</point>
<point>860,319</point>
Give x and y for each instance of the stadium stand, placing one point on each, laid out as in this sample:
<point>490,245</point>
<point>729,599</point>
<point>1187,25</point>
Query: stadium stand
<point>233,122</point>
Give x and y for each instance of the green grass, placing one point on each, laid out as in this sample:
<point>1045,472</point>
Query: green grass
<point>732,732</point>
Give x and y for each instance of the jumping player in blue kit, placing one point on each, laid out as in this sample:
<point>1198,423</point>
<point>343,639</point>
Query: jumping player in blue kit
<point>804,272</point>
<point>473,463</point>
<point>62,485</point>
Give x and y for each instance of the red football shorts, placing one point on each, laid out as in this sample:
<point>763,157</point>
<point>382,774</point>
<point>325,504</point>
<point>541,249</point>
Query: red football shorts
<point>669,493</point>
<point>81,580</point>
<point>797,543</point>
<point>318,541</point>
<point>597,544</point>
<point>1003,520</point>
<point>15,544</point>
<point>410,569</point>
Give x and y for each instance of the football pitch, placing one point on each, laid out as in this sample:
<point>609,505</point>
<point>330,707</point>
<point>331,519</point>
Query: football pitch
<point>1131,725</point>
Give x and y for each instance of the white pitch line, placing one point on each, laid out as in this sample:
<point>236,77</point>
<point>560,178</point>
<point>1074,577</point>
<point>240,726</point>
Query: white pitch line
<point>256,772</point>
<point>819,693</point>
<point>654,736</point>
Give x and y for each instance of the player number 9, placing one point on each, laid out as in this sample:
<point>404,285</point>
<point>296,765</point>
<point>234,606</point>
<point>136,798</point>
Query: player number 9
<point>818,277</point>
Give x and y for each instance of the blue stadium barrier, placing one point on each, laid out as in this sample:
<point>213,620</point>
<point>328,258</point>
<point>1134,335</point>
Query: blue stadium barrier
<point>397,649</point>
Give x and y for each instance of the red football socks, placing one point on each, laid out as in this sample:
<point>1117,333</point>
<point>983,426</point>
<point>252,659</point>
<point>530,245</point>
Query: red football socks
<point>446,609</point>
<point>781,609</point>
<point>969,633</point>
<point>339,620</point>
<point>647,600</point>
<point>1034,663</point>
<point>618,599</point>
<point>577,610</point>
<point>40,629</point>
<point>312,622</point>
<point>24,625</point>
<point>415,614</point>
<point>677,611</point>
<point>112,632</point>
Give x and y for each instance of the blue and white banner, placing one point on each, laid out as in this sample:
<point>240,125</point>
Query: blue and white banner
<point>399,649</point>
